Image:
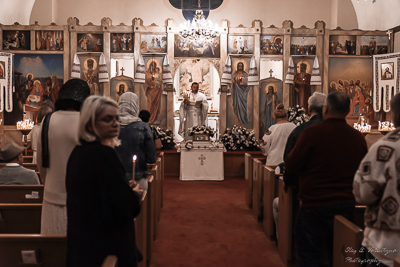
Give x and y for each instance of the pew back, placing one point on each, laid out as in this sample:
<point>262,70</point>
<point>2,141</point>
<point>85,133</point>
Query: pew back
<point>31,166</point>
<point>21,193</point>
<point>50,250</point>
<point>248,176</point>
<point>269,194</point>
<point>141,230</point>
<point>347,240</point>
<point>150,218</point>
<point>257,186</point>
<point>20,218</point>
<point>285,218</point>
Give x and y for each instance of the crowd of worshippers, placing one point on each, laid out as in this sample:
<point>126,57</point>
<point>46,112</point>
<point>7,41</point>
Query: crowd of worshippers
<point>330,168</point>
<point>84,151</point>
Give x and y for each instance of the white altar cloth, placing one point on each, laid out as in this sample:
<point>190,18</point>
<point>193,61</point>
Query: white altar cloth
<point>202,162</point>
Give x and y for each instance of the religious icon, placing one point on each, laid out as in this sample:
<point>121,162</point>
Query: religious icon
<point>387,71</point>
<point>240,44</point>
<point>90,75</point>
<point>271,101</point>
<point>153,43</point>
<point>195,70</point>
<point>372,45</point>
<point>271,45</point>
<point>240,91</point>
<point>2,70</point>
<point>302,86</point>
<point>153,87</point>
<point>196,48</point>
<point>90,42</point>
<point>16,40</point>
<point>120,88</point>
<point>303,45</point>
<point>121,43</point>
<point>342,45</point>
<point>49,40</point>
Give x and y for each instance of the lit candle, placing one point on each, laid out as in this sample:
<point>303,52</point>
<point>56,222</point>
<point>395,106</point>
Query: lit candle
<point>133,168</point>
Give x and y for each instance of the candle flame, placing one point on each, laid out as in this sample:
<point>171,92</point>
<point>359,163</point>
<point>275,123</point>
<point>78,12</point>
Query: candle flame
<point>134,157</point>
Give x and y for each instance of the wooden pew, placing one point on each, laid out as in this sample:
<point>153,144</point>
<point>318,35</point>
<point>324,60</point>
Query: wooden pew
<point>110,261</point>
<point>155,172</point>
<point>346,236</point>
<point>396,262</point>
<point>161,155</point>
<point>31,166</point>
<point>269,194</point>
<point>257,186</point>
<point>285,228</point>
<point>141,230</point>
<point>150,218</point>
<point>248,176</point>
<point>21,193</point>
<point>20,218</point>
<point>27,159</point>
<point>158,191</point>
<point>50,250</point>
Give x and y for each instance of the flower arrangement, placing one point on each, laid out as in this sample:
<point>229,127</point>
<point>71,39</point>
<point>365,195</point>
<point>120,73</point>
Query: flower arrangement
<point>201,130</point>
<point>239,138</point>
<point>166,137</point>
<point>297,115</point>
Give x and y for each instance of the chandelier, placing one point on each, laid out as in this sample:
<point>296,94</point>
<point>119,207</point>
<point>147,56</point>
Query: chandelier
<point>199,29</point>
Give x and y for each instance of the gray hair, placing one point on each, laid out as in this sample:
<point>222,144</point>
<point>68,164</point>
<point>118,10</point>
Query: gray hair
<point>91,109</point>
<point>316,102</point>
<point>395,109</point>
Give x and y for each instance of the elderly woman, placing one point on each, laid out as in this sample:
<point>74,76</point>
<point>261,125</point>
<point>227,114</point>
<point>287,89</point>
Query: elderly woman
<point>274,140</point>
<point>101,204</point>
<point>136,139</point>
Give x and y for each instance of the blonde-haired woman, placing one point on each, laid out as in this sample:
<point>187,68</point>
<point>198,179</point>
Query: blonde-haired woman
<point>101,204</point>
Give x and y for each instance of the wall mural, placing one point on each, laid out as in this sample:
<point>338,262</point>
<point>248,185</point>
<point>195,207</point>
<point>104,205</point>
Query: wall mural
<point>240,44</point>
<point>121,43</point>
<point>153,43</point>
<point>271,45</point>
<point>16,40</point>
<point>90,42</point>
<point>196,70</point>
<point>49,40</point>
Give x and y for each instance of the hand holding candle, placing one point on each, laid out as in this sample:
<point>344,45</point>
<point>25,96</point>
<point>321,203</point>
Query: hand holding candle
<point>134,165</point>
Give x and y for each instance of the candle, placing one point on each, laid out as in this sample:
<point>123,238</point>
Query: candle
<point>133,168</point>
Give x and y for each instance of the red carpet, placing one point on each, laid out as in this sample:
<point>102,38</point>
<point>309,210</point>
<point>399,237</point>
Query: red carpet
<point>207,224</point>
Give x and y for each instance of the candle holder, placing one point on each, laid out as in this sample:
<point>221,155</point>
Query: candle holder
<point>385,127</point>
<point>25,127</point>
<point>364,128</point>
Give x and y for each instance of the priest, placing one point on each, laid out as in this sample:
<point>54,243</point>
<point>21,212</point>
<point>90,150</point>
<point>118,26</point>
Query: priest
<point>193,111</point>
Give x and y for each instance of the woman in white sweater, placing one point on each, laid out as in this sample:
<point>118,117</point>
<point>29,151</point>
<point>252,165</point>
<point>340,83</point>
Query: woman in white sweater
<point>58,139</point>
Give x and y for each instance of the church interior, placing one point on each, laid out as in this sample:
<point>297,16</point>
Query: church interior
<point>248,58</point>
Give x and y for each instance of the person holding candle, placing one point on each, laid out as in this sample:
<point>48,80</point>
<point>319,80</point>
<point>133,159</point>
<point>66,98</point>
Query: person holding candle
<point>101,205</point>
<point>136,139</point>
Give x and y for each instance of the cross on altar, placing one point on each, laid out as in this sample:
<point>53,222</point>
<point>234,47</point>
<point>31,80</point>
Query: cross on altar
<point>122,69</point>
<point>270,72</point>
<point>202,158</point>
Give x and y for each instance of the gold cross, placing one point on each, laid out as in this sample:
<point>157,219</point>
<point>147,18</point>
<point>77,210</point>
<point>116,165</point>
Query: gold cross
<point>202,158</point>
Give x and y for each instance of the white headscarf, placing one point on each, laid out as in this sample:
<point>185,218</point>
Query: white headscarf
<point>128,108</point>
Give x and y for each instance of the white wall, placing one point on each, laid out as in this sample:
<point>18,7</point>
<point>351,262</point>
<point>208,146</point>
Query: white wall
<point>301,12</point>
<point>15,11</point>
<point>381,15</point>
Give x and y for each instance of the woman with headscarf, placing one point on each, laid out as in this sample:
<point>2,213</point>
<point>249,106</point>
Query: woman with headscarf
<point>136,139</point>
<point>58,139</point>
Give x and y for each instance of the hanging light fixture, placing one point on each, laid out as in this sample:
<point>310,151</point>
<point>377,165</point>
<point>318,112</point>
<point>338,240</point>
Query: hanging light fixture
<point>199,28</point>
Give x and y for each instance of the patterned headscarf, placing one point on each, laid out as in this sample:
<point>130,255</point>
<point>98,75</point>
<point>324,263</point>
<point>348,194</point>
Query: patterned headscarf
<point>128,108</point>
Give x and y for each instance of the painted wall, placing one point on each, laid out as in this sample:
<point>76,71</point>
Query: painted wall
<point>15,11</point>
<point>381,15</point>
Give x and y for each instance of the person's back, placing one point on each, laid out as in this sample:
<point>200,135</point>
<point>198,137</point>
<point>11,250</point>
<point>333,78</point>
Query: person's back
<point>58,139</point>
<point>13,172</point>
<point>136,139</point>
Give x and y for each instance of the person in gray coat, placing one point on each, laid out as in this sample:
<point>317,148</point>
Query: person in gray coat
<point>13,172</point>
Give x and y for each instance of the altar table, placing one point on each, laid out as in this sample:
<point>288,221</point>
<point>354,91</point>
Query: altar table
<point>203,161</point>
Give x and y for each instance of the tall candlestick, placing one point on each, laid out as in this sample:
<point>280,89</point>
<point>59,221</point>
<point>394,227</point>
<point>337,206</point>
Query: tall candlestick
<point>134,164</point>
